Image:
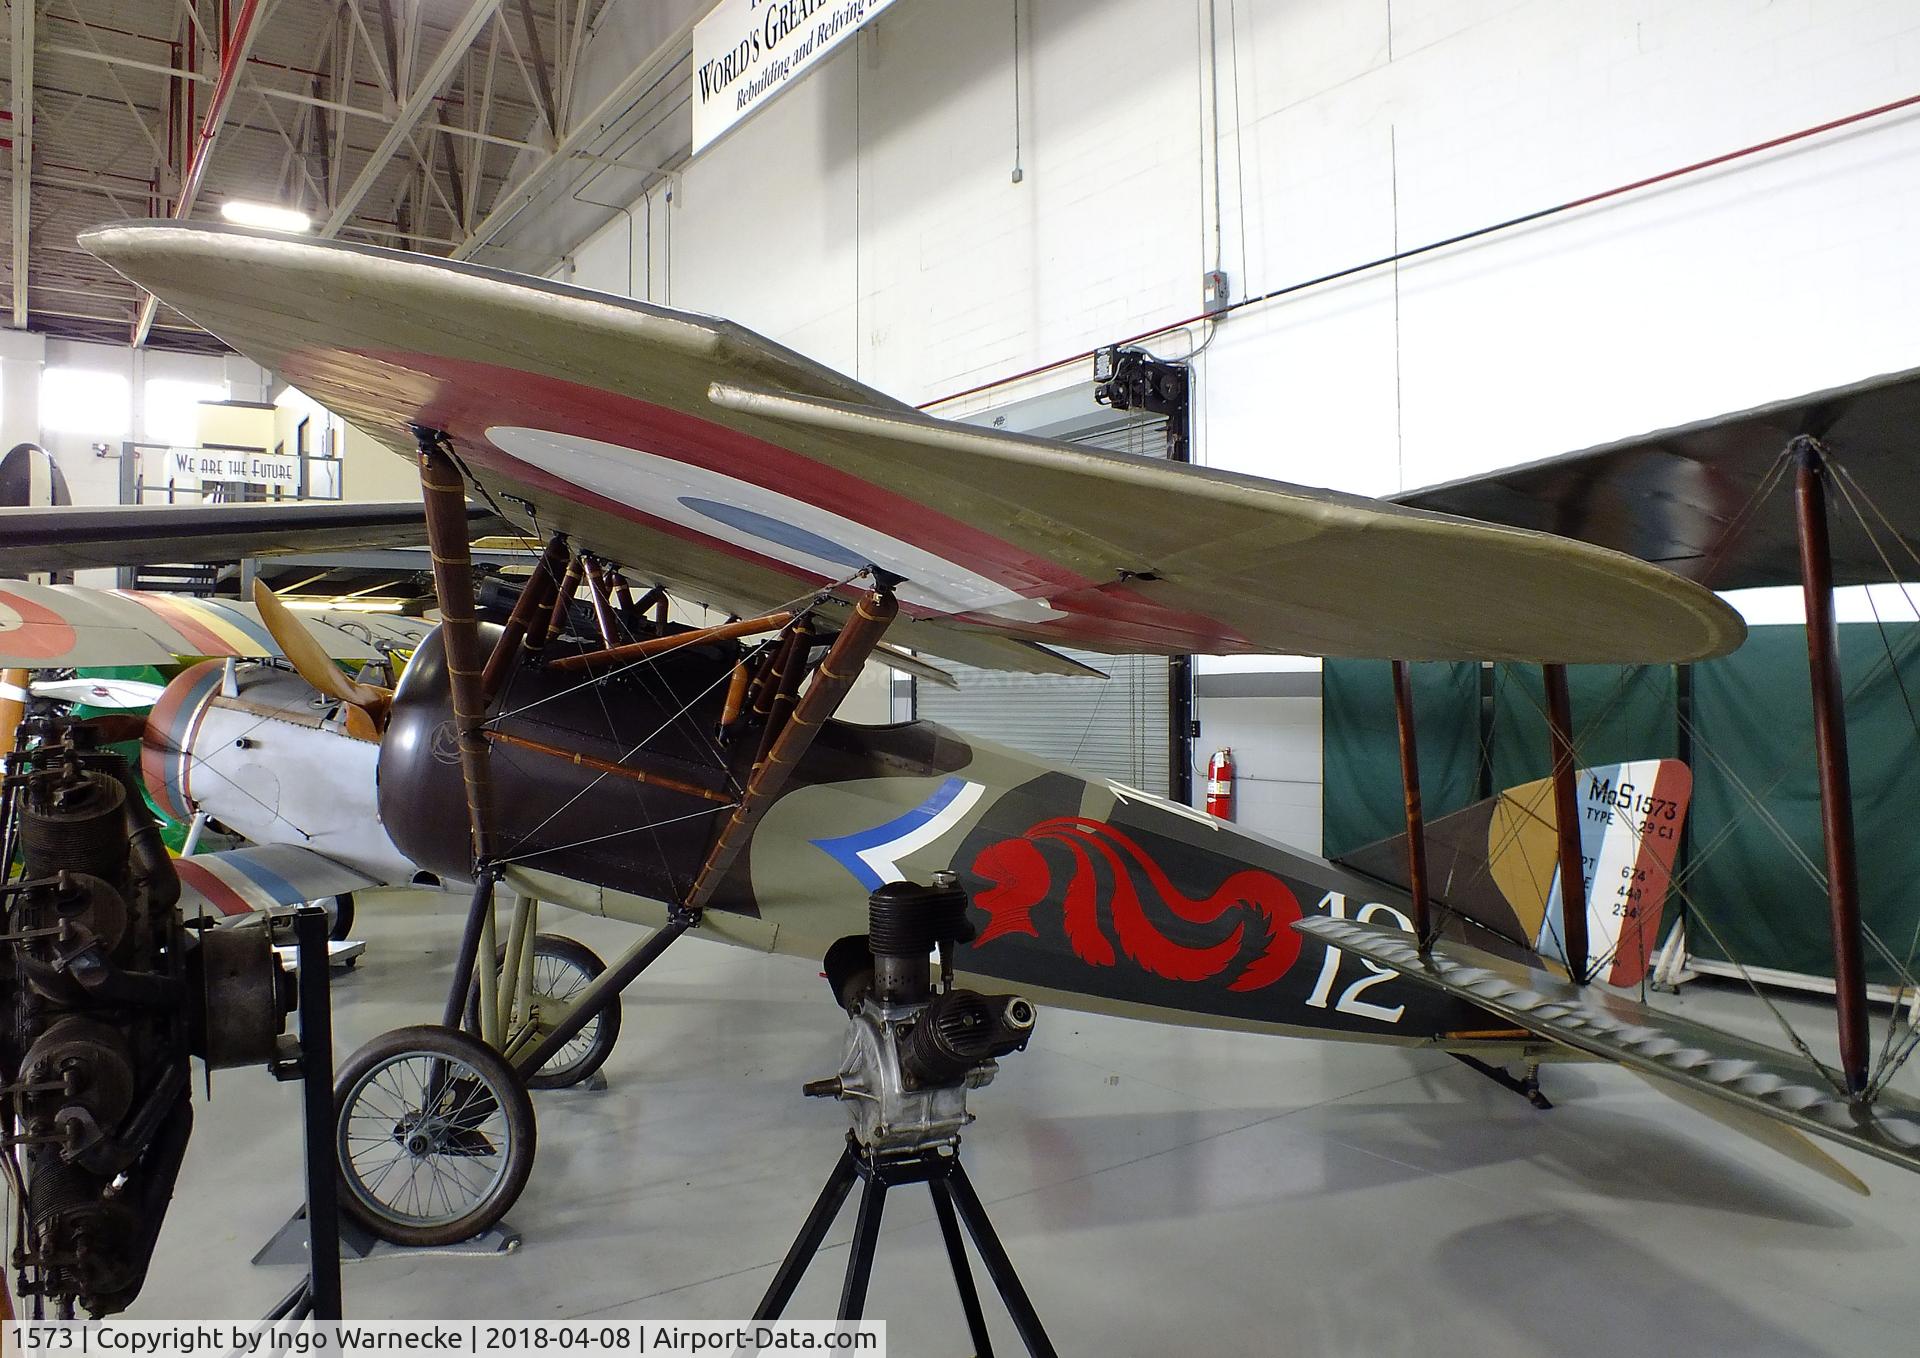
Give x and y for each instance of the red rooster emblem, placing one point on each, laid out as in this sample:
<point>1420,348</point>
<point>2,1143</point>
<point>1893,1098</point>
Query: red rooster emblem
<point>1021,879</point>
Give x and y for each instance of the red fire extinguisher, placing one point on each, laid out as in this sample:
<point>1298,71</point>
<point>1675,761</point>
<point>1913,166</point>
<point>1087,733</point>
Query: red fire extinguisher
<point>1220,784</point>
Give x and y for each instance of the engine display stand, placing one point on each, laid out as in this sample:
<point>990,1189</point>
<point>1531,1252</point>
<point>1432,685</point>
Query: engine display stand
<point>311,1063</point>
<point>954,1201</point>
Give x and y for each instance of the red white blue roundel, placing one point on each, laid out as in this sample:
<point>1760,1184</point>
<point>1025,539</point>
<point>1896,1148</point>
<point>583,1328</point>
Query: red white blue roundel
<point>802,535</point>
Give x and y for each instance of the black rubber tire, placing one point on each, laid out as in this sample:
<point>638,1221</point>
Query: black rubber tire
<point>508,1097</point>
<point>575,957</point>
<point>342,917</point>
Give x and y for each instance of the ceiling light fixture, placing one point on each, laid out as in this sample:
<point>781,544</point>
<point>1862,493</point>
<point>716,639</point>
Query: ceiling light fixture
<point>243,213</point>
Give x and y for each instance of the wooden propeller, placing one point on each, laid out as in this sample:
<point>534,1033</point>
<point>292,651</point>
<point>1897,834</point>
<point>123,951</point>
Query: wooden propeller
<point>367,704</point>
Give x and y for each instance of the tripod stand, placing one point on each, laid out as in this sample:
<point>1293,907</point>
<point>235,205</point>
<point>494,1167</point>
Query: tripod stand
<point>953,1196</point>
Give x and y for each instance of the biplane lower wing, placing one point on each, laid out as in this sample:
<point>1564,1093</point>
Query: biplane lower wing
<point>239,882</point>
<point>77,537</point>
<point>1659,1045</point>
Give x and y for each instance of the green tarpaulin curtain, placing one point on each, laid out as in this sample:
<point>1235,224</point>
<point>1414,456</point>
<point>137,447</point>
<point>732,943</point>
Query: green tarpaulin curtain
<point>1361,799</point>
<point>1753,713</point>
<point>1752,728</point>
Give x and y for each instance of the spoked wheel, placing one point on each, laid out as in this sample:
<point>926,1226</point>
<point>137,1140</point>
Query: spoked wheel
<point>562,968</point>
<point>434,1136</point>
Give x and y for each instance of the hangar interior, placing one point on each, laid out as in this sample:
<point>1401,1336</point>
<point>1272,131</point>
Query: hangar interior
<point>1368,247</point>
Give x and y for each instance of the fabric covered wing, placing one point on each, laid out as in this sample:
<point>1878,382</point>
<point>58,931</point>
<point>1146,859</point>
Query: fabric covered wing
<point>1649,1041</point>
<point>746,476</point>
<point>260,877</point>
<point>73,537</point>
<point>61,626</point>
<point>1707,499</point>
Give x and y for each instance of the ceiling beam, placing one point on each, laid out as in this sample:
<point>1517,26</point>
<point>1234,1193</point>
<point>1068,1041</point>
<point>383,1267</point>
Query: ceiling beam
<point>459,39</point>
<point>605,115</point>
<point>232,58</point>
<point>287,96</point>
<point>21,35</point>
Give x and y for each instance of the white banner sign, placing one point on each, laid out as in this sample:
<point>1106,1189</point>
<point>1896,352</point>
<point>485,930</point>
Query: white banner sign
<point>233,464</point>
<point>746,51</point>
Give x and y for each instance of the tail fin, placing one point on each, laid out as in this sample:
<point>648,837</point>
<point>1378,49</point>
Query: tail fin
<point>1497,862</point>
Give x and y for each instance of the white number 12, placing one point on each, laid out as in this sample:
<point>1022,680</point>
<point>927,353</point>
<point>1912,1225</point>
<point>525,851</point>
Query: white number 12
<point>1335,904</point>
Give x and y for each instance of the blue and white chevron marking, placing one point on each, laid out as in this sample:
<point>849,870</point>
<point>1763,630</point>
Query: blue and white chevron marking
<point>873,856</point>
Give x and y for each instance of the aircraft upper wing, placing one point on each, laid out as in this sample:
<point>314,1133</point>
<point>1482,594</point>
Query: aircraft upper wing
<point>743,475</point>
<point>1689,498</point>
<point>74,537</point>
<point>73,626</point>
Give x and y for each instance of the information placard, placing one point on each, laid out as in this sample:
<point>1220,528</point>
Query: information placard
<point>745,52</point>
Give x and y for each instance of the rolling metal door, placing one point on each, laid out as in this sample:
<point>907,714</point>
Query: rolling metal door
<point>1118,727</point>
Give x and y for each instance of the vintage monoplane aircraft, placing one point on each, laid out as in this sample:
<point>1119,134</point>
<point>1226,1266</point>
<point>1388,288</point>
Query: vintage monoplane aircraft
<point>693,779</point>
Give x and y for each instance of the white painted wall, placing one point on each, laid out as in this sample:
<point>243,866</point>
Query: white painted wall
<point>870,218</point>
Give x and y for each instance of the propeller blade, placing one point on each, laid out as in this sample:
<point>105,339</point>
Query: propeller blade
<point>310,660</point>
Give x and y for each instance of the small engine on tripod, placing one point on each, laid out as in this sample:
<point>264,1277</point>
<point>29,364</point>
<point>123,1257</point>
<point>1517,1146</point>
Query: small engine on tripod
<point>104,994</point>
<point>913,1051</point>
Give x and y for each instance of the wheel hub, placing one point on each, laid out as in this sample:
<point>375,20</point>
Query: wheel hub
<point>420,1134</point>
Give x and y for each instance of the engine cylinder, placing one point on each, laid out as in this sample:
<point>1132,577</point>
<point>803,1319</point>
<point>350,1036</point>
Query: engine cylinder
<point>79,825</point>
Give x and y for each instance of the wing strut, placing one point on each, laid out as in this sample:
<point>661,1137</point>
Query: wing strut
<point>529,611</point>
<point>1410,791</point>
<point>444,493</point>
<point>1566,817</point>
<point>858,636</point>
<point>1830,744</point>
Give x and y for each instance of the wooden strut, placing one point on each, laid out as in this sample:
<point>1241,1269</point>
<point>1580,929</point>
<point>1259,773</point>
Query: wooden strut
<point>858,636</point>
<point>637,650</point>
<point>569,586</point>
<point>1830,746</point>
<point>772,665</point>
<point>1566,818</point>
<point>445,495</point>
<point>1410,792</point>
<point>736,696</point>
<point>602,601</point>
<point>785,688</point>
<point>656,599</point>
<point>607,766</point>
<point>529,610</point>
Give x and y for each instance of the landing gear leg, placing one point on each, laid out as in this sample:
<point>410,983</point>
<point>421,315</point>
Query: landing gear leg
<point>1527,1086</point>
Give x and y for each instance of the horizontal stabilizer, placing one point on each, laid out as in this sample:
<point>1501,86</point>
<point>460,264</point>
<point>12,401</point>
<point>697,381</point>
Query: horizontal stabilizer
<point>239,882</point>
<point>1774,1135</point>
<point>1649,1041</point>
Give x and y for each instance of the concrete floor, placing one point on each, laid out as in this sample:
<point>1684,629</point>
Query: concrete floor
<point>1161,1190</point>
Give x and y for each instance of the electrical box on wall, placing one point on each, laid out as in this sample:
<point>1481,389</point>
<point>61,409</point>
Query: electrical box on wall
<point>1213,291</point>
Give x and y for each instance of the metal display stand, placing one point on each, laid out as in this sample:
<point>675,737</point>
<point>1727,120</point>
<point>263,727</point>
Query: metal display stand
<point>954,1202</point>
<point>311,1062</point>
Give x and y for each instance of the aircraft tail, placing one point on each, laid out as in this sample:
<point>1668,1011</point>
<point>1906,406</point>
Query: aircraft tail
<point>1496,863</point>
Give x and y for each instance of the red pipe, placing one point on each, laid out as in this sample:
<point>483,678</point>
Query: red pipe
<point>232,40</point>
<point>1772,143</point>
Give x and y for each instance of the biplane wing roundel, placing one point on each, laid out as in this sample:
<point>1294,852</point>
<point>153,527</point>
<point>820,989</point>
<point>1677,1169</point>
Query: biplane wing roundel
<point>743,475</point>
